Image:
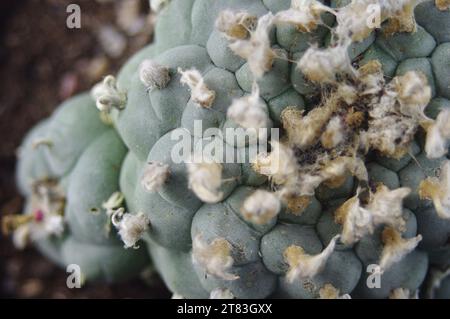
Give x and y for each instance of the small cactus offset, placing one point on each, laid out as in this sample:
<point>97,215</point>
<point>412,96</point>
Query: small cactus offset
<point>350,198</point>
<point>69,167</point>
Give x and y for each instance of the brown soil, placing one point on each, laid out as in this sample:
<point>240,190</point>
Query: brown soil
<point>42,62</point>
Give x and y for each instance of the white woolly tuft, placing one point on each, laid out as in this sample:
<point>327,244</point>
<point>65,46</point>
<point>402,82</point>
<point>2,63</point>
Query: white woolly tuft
<point>200,93</point>
<point>438,190</point>
<point>155,176</point>
<point>257,50</point>
<point>215,258</point>
<point>235,25</point>
<point>158,5</point>
<point>280,165</point>
<point>107,95</point>
<point>438,136</point>
<point>131,227</point>
<point>323,65</point>
<point>221,293</point>
<point>153,75</point>
<point>250,112</point>
<point>261,207</point>
<point>205,180</point>
<point>302,265</point>
<point>395,247</point>
<point>305,14</point>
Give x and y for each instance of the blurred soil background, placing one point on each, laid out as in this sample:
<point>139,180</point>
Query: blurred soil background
<point>42,63</point>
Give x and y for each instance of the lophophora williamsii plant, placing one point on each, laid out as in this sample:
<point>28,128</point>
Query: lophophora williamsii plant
<point>351,200</point>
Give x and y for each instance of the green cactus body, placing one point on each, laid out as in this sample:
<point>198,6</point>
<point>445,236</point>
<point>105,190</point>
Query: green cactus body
<point>84,156</point>
<point>189,236</point>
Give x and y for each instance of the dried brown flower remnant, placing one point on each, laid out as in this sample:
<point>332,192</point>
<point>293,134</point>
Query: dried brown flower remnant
<point>304,130</point>
<point>354,118</point>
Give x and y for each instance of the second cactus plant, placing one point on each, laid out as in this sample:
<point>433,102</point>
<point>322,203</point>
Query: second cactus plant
<point>355,187</point>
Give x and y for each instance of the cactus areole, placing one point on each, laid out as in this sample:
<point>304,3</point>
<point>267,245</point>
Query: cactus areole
<point>349,198</point>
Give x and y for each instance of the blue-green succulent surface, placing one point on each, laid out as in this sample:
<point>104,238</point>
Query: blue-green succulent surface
<point>90,155</point>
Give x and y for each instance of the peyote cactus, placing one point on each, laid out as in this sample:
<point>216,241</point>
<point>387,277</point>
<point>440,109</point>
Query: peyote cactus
<point>69,165</point>
<point>355,189</point>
